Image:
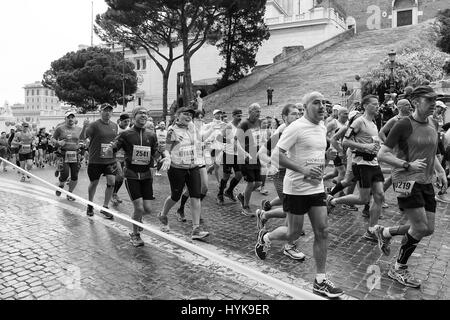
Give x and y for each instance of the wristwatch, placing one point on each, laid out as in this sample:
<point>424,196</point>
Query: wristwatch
<point>406,165</point>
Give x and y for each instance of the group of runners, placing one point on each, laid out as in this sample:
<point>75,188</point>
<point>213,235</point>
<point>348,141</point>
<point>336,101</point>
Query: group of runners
<point>294,155</point>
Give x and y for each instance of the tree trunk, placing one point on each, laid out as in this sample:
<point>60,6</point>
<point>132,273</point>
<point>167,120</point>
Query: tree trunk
<point>187,83</point>
<point>165,91</point>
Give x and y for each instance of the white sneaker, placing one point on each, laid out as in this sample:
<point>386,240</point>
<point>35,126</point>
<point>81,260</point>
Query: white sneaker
<point>157,174</point>
<point>292,252</point>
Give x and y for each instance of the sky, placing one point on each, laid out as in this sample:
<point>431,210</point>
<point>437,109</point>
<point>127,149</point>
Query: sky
<point>33,33</point>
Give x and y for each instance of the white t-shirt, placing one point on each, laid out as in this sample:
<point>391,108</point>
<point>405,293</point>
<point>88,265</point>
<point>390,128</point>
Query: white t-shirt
<point>305,143</point>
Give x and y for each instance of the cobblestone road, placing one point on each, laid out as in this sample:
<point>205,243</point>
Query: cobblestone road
<point>36,234</point>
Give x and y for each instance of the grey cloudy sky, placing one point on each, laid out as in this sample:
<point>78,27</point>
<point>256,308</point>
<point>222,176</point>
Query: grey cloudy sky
<point>33,33</point>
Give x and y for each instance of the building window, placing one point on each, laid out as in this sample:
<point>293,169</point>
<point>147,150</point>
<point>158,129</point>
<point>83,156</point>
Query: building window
<point>32,92</point>
<point>37,92</point>
<point>144,64</point>
<point>37,99</point>
<point>138,64</point>
<point>139,101</point>
<point>46,92</point>
<point>32,99</point>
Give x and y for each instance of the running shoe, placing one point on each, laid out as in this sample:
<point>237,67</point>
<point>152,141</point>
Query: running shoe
<point>220,200</point>
<point>28,178</point>
<point>292,252</point>
<point>349,207</point>
<point>264,192</point>
<point>198,234</point>
<point>385,205</point>
<point>370,236</point>
<point>116,197</point>
<point>365,212</point>
<point>136,240</point>
<point>262,247</point>
<point>383,242</point>
<point>403,276</point>
<point>22,179</point>
<point>230,195</point>
<point>246,212</point>
<point>180,215</point>
<point>157,174</point>
<point>240,197</point>
<point>57,173</point>
<point>107,215</point>
<point>58,193</point>
<point>70,198</point>
<point>327,288</point>
<point>265,205</point>
<point>90,210</point>
<point>260,222</point>
<point>164,221</point>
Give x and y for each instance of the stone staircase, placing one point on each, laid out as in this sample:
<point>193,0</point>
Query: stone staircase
<point>324,72</point>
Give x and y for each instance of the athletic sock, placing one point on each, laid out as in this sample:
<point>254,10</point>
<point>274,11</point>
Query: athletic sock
<point>223,185</point>
<point>233,183</point>
<point>117,186</point>
<point>320,277</point>
<point>409,244</point>
<point>184,199</point>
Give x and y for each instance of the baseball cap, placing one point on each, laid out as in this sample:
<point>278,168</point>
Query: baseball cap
<point>124,116</point>
<point>423,91</point>
<point>25,124</point>
<point>441,104</point>
<point>390,102</point>
<point>217,111</point>
<point>68,113</point>
<point>236,111</point>
<point>105,105</point>
<point>337,107</point>
<point>185,109</point>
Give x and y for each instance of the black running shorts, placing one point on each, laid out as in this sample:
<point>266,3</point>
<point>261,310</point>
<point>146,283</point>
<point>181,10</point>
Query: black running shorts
<point>251,172</point>
<point>138,189</point>
<point>95,170</point>
<point>178,178</point>
<point>300,205</point>
<point>422,196</point>
<point>25,156</point>
<point>230,163</point>
<point>368,175</point>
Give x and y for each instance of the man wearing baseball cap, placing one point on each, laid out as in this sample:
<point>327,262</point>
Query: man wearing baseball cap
<point>411,150</point>
<point>101,159</point>
<point>124,124</point>
<point>25,141</point>
<point>67,138</point>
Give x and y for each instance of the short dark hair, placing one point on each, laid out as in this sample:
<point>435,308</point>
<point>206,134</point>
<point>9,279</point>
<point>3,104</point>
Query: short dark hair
<point>286,108</point>
<point>3,132</point>
<point>366,99</point>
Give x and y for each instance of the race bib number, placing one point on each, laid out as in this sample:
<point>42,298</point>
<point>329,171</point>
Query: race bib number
<point>316,159</point>
<point>106,152</point>
<point>256,137</point>
<point>403,188</point>
<point>71,157</point>
<point>141,155</point>
<point>26,148</point>
<point>187,154</point>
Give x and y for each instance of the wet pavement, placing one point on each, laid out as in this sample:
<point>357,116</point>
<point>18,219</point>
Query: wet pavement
<point>49,249</point>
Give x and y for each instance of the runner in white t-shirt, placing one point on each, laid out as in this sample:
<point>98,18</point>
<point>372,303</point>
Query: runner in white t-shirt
<point>301,150</point>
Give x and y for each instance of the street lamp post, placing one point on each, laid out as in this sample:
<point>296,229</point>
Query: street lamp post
<point>123,78</point>
<point>392,55</point>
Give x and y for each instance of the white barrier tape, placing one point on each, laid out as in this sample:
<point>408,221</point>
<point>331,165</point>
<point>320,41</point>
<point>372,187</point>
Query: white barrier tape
<point>291,290</point>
